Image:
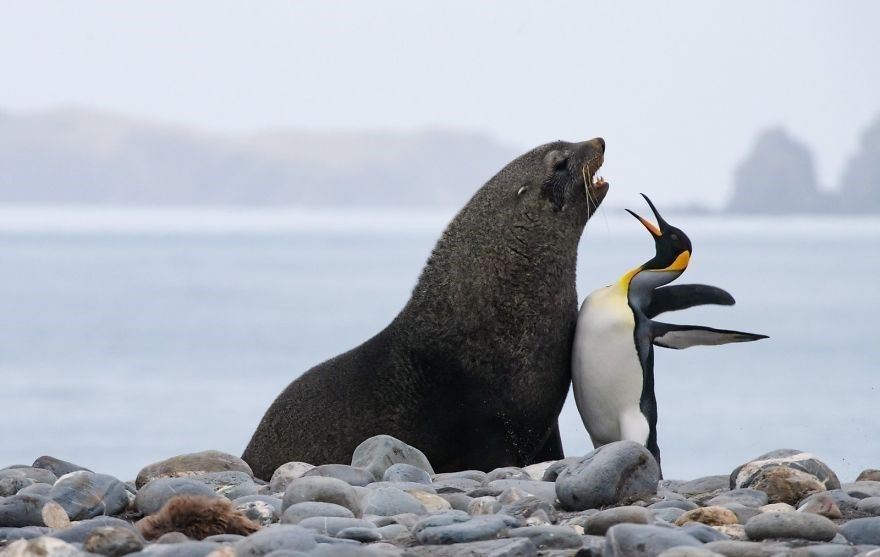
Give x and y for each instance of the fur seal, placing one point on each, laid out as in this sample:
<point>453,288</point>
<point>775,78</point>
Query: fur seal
<point>476,367</point>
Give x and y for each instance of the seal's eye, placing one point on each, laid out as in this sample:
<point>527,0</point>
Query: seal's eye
<point>521,190</point>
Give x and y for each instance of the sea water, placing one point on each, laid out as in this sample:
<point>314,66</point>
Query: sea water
<point>130,335</point>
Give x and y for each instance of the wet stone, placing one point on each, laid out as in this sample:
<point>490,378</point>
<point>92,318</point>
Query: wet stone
<point>453,485</point>
<point>743,513</point>
<point>832,504</point>
<point>540,489</point>
<point>688,551</point>
<point>701,486</point>
<point>703,532</point>
<point>870,474</point>
<point>869,505</point>
<point>863,489</point>
<point>458,501</point>
<point>674,504</point>
<point>79,531</point>
<point>668,515</point>
<point>87,494</point>
<point>37,475</point>
<point>484,505</point>
<point>231,484</point>
<point>736,548</point>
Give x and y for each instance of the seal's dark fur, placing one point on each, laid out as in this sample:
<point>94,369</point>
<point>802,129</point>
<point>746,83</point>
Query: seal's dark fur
<point>475,369</point>
<point>197,517</point>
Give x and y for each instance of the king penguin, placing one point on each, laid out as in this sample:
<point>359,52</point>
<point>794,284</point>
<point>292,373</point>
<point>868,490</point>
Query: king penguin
<point>613,350</point>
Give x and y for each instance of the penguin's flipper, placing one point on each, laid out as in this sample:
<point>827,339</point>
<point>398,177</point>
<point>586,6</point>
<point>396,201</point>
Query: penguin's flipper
<point>683,296</point>
<point>685,336</point>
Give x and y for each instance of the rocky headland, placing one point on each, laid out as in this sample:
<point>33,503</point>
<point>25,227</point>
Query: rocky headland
<point>389,501</point>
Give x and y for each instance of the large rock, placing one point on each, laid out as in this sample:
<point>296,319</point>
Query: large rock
<point>785,475</point>
<point>192,464</point>
<point>378,453</point>
<point>643,540</point>
<point>806,526</point>
<point>616,473</point>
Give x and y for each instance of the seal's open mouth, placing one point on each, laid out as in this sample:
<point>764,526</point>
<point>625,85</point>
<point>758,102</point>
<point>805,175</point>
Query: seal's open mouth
<point>590,168</point>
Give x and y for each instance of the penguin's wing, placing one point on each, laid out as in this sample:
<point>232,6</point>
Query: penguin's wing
<point>685,336</point>
<point>683,296</point>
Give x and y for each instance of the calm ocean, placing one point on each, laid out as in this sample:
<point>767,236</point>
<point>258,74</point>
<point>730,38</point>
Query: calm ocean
<point>127,335</point>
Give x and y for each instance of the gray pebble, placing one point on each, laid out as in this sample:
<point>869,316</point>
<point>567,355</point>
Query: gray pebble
<point>870,505</point>
<point>308,509</point>
<point>743,513</point>
<point>529,507</point>
<point>548,537</point>
<point>36,489</point>
<point>191,464</point>
<point>703,532</point>
<point>389,501</point>
<point>552,472</point>
<point>643,540</point>
<point>38,475</point>
<point>113,541</point>
<point>736,548</point>
<point>805,526</point>
<point>10,485</point>
<point>403,486</point>
<point>85,494</point>
<point>225,538</point>
<point>600,522</point>
<point>507,473</point>
<point>378,453</point>
<point>453,485</point>
<point>864,531</point>
<point>317,488</point>
<point>474,475</point>
<point>744,496</point>
<point>846,504</point>
<point>484,505</point>
<point>153,496</point>
<point>669,514</point>
<point>688,551</point>
<point>863,489</point>
<point>344,472</point>
<point>611,474</point>
<point>515,547</point>
<point>684,505</point>
<point>700,486</point>
<point>79,531</point>
<point>57,466</point>
<point>330,525</point>
<point>402,472</point>
<point>826,550</point>
<point>360,534</point>
<point>458,501</point>
<point>478,528</point>
<point>542,490</point>
<point>287,537</point>
<point>285,474</point>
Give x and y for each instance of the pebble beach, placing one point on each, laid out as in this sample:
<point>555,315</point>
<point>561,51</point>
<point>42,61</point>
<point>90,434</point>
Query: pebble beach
<point>389,501</point>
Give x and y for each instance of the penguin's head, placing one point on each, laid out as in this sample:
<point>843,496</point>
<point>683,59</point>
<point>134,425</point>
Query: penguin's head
<point>673,247</point>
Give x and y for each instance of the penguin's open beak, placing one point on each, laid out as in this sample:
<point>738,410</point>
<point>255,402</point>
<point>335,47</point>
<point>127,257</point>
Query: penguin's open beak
<point>668,240</point>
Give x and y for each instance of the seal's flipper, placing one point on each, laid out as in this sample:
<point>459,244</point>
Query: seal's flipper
<point>683,296</point>
<point>685,336</point>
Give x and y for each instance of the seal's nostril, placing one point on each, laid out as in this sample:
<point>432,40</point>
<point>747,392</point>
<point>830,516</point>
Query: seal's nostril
<point>601,143</point>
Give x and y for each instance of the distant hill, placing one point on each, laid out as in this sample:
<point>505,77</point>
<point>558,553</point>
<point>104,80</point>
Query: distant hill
<point>79,156</point>
<point>778,176</point>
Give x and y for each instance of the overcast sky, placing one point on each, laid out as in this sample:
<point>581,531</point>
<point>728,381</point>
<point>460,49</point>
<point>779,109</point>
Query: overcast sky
<point>678,89</point>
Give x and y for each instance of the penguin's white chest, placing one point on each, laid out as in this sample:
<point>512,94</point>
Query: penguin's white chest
<point>606,371</point>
